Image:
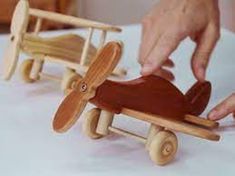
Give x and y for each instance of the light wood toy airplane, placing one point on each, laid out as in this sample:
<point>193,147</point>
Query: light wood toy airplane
<point>70,50</point>
<point>151,99</point>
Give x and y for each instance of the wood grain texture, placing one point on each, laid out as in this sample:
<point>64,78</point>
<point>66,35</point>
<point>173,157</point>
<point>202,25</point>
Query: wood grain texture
<point>18,27</point>
<point>66,47</point>
<point>153,130</point>
<point>154,95</point>
<point>172,124</point>
<point>150,94</point>
<point>198,96</point>
<point>74,104</point>
<point>201,121</point>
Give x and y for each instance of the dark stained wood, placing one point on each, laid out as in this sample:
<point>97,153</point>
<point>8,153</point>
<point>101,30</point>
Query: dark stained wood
<point>151,94</point>
<point>198,96</point>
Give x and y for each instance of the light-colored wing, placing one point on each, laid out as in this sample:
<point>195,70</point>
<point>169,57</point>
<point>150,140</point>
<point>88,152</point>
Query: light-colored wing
<point>173,124</point>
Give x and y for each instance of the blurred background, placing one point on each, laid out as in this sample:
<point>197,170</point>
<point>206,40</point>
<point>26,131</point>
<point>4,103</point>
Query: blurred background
<point>118,12</point>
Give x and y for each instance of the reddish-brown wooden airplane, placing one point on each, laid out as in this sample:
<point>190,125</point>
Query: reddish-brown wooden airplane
<point>151,99</point>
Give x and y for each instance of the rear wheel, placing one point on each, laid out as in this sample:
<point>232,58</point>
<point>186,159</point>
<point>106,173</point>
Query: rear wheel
<point>25,70</point>
<point>70,82</point>
<point>163,147</point>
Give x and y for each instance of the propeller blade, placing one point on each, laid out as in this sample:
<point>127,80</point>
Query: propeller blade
<point>103,65</point>
<point>11,58</point>
<point>20,17</point>
<point>74,104</point>
<point>69,111</point>
<point>19,24</point>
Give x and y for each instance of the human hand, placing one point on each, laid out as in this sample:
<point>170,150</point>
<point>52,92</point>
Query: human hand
<point>170,22</point>
<point>164,72</point>
<point>223,109</point>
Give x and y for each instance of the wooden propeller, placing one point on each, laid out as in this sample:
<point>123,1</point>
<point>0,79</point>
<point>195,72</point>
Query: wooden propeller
<point>74,104</point>
<point>18,27</point>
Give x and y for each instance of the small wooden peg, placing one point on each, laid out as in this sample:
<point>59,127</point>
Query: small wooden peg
<point>105,121</point>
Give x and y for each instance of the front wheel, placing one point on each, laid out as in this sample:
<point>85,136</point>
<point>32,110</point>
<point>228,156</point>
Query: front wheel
<point>70,82</point>
<point>90,123</point>
<point>25,70</point>
<point>163,147</point>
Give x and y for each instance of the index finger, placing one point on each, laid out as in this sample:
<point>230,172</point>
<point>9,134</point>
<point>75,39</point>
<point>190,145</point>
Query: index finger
<point>166,45</point>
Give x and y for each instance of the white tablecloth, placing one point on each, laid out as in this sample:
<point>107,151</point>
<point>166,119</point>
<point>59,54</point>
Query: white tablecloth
<point>29,147</point>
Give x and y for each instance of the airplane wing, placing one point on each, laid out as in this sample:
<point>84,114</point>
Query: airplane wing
<point>174,125</point>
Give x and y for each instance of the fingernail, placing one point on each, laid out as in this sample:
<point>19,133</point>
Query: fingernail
<point>212,115</point>
<point>140,61</point>
<point>216,114</point>
<point>147,69</point>
<point>201,73</point>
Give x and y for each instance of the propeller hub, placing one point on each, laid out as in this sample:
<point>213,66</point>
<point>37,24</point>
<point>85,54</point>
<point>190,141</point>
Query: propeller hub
<point>83,87</point>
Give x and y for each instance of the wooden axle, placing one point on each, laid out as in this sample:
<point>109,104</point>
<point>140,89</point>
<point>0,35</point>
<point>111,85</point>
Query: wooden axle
<point>105,121</point>
<point>36,68</point>
<point>50,77</point>
<point>127,133</point>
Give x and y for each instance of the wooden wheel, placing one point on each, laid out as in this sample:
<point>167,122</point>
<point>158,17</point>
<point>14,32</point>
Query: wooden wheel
<point>18,27</point>
<point>163,147</point>
<point>91,122</point>
<point>25,70</point>
<point>70,82</point>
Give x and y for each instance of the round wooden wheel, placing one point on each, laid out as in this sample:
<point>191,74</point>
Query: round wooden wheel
<point>25,70</point>
<point>163,147</point>
<point>90,123</point>
<point>70,82</point>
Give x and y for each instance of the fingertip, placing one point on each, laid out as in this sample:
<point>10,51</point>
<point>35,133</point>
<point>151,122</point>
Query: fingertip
<point>212,115</point>
<point>149,66</point>
<point>199,72</point>
<point>140,57</point>
<point>140,61</point>
<point>216,114</point>
<point>146,70</point>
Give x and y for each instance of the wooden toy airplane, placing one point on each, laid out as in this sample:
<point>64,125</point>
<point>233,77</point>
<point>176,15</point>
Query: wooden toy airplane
<point>151,99</point>
<point>70,50</point>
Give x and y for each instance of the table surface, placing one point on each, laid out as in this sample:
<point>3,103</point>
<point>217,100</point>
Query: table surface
<point>29,146</point>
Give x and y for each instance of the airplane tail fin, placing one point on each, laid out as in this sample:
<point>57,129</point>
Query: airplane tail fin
<point>198,96</point>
